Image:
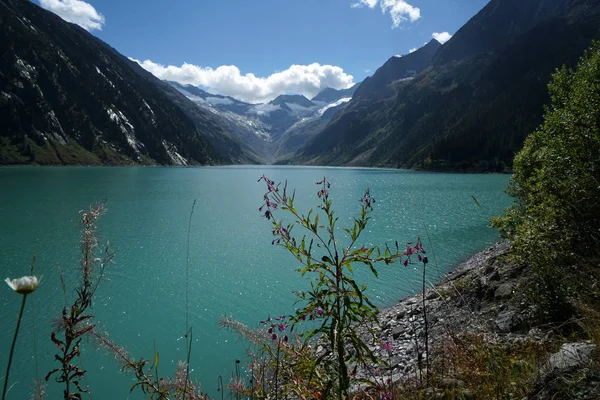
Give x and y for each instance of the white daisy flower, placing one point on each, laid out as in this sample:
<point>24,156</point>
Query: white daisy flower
<point>24,284</point>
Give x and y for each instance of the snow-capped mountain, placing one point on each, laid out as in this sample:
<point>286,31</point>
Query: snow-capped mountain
<point>274,129</point>
<point>329,95</point>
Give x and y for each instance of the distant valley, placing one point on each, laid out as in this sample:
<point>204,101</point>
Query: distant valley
<point>274,130</point>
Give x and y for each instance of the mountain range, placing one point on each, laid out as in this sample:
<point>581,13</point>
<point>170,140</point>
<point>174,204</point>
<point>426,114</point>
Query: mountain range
<point>66,97</point>
<point>472,107</point>
<point>270,129</point>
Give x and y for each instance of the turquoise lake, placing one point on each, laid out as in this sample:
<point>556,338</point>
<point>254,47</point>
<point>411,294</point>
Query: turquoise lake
<point>234,269</point>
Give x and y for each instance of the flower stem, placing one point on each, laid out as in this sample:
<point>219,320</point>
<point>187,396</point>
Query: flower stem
<point>426,327</point>
<point>277,369</point>
<point>12,347</point>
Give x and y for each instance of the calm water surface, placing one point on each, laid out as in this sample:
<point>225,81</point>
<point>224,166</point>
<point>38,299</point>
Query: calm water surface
<point>234,269</point>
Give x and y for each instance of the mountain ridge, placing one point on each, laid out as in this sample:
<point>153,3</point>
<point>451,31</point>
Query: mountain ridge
<point>471,114</point>
<point>69,98</point>
<point>397,68</point>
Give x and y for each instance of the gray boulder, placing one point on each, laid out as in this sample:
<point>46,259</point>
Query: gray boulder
<point>507,321</point>
<point>571,355</point>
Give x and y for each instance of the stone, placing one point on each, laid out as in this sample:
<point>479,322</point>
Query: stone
<point>535,332</point>
<point>494,276</point>
<point>410,301</point>
<point>489,267</point>
<point>507,321</point>
<point>397,331</point>
<point>503,291</point>
<point>433,294</point>
<point>433,393</point>
<point>395,362</point>
<point>451,383</point>
<point>571,355</point>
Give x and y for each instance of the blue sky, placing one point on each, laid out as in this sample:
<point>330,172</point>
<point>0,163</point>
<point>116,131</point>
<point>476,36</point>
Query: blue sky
<point>247,48</point>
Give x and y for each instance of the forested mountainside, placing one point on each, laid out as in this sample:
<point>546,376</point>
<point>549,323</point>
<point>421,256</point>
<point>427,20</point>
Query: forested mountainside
<point>471,109</point>
<point>66,97</point>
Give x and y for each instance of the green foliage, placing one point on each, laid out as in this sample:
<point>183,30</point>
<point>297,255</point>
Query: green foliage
<point>555,223</point>
<point>335,300</point>
<point>10,154</point>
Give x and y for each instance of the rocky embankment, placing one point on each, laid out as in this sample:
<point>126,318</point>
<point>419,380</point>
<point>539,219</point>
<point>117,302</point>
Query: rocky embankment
<point>486,296</point>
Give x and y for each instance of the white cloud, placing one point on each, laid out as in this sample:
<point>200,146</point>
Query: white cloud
<point>307,80</point>
<point>76,11</point>
<point>400,11</point>
<point>368,3</point>
<point>441,37</point>
<point>412,50</point>
<point>262,109</point>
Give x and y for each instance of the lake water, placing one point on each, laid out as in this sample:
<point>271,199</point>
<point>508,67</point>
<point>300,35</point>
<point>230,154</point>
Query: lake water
<point>234,269</point>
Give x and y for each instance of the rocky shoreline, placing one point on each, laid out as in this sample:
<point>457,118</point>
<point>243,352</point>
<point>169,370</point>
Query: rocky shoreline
<point>402,325</point>
<point>486,295</point>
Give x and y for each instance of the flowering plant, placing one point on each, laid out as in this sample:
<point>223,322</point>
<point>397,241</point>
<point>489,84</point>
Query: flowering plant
<point>335,300</point>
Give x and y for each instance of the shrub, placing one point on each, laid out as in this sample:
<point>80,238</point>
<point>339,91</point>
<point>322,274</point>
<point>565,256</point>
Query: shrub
<point>555,222</point>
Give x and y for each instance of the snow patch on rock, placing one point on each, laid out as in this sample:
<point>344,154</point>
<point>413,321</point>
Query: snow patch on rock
<point>335,104</point>
<point>262,109</point>
<point>105,78</point>
<point>126,128</point>
<point>152,115</point>
<point>298,109</point>
<point>57,132</point>
<point>219,101</point>
<point>25,70</point>
<point>175,157</point>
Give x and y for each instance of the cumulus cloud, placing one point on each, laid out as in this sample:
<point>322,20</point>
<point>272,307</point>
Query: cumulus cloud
<point>412,50</point>
<point>76,11</point>
<point>399,10</point>
<point>441,37</point>
<point>307,80</point>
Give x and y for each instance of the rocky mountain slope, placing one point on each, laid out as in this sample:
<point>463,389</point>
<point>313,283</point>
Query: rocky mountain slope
<point>329,95</point>
<point>472,108</point>
<point>396,69</point>
<point>68,98</point>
